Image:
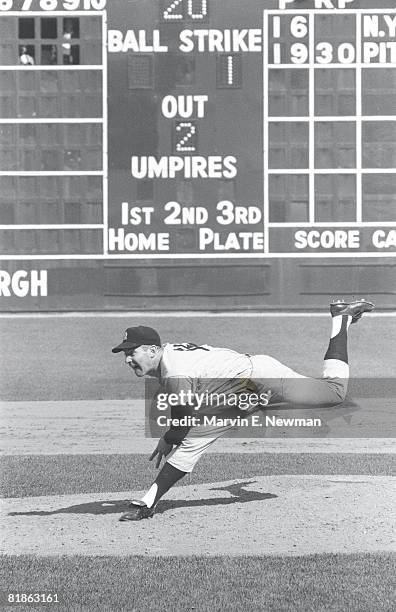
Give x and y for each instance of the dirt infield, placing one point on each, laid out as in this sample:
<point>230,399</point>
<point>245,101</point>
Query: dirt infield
<point>290,515</point>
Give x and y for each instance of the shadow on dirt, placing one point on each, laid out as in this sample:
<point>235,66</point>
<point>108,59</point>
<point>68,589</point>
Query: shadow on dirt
<point>239,495</point>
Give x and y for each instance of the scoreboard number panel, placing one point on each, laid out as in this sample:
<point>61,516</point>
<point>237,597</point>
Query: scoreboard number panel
<point>52,5</point>
<point>327,131</point>
<point>151,130</point>
<point>184,10</point>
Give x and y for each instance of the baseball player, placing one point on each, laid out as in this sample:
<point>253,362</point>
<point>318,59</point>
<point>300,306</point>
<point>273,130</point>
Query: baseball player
<point>185,369</point>
<point>25,59</point>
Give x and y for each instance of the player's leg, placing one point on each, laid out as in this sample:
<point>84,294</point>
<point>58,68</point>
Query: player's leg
<point>289,386</point>
<point>180,462</point>
<point>331,389</point>
<point>145,508</point>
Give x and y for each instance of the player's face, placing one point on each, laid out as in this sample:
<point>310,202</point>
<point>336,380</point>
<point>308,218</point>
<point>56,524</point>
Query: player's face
<point>141,360</point>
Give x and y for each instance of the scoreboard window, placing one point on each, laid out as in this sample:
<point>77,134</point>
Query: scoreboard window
<point>51,40</point>
<point>335,144</point>
<point>25,81</point>
<point>288,93</point>
<point>7,212</point>
<point>8,52</point>
<point>380,86</point>
<point>184,71</point>
<point>27,54</point>
<point>288,198</point>
<point>49,27</point>
<point>26,27</point>
<point>51,94</point>
<point>140,71</point>
<point>379,144</point>
<point>289,145</point>
<point>71,28</point>
<point>50,197</point>
<point>379,198</point>
<point>49,54</point>
<point>335,92</point>
<point>50,147</point>
<point>335,196</point>
<point>337,28</point>
<point>72,56</point>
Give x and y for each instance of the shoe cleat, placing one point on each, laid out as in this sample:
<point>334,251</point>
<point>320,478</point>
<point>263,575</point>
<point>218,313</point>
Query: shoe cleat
<point>353,309</point>
<point>138,511</point>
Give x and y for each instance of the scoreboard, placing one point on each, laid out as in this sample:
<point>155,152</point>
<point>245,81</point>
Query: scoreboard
<point>201,140</point>
<point>331,137</point>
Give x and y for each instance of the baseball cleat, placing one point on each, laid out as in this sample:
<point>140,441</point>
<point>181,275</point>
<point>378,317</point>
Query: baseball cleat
<point>353,309</point>
<point>138,512</point>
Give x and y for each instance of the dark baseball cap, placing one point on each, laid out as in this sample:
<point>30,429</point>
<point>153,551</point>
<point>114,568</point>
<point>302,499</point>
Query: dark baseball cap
<point>136,336</point>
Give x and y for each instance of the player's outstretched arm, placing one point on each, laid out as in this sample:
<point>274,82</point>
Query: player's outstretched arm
<point>162,450</point>
<point>175,434</point>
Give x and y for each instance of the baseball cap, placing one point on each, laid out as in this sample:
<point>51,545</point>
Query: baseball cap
<point>136,336</point>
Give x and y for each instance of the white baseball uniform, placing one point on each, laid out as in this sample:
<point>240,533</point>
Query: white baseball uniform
<point>188,367</point>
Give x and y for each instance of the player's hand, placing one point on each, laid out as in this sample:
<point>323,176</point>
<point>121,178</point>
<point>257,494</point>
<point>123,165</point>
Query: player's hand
<point>163,449</point>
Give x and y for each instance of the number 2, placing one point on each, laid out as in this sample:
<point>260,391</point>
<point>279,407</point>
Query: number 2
<point>185,139</point>
<point>169,14</point>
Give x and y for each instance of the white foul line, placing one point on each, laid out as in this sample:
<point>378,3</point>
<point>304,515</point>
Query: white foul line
<point>176,314</point>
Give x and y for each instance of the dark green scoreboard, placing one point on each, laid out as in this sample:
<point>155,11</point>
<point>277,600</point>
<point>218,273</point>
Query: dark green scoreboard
<point>196,153</point>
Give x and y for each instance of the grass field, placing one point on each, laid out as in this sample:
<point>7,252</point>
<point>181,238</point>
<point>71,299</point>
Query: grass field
<point>312,583</point>
<point>338,508</point>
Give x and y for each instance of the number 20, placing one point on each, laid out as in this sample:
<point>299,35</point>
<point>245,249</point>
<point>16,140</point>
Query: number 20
<point>169,13</point>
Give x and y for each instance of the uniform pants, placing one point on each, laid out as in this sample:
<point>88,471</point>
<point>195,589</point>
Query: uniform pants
<point>286,385</point>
